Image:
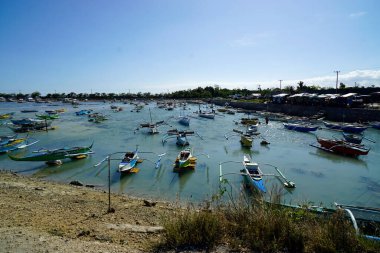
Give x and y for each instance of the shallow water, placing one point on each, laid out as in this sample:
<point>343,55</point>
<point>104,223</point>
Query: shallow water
<point>320,177</point>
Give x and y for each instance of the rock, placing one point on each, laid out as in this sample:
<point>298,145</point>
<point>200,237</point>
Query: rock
<point>90,185</point>
<point>83,233</point>
<point>38,189</point>
<point>77,183</point>
<point>149,203</point>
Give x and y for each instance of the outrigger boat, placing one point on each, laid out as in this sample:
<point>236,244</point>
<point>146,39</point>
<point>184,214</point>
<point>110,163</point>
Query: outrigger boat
<point>184,120</point>
<point>252,174</point>
<point>47,116</point>
<point>129,162</point>
<point>185,160</point>
<point>180,135</point>
<point>152,126</point>
<point>376,125</point>
<point>341,147</point>
<point>17,143</point>
<point>350,128</point>
<point>55,156</point>
<point>246,138</point>
<point>83,112</point>
<point>207,115</point>
<point>353,138</point>
<point>6,139</point>
<point>300,127</point>
<point>6,115</point>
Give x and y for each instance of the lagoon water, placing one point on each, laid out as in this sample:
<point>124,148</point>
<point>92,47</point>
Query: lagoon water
<point>320,177</point>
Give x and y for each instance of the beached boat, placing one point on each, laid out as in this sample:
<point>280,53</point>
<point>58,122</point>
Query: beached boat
<point>46,155</point>
<point>353,138</point>
<point>350,128</point>
<point>185,160</point>
<point>300,127</point>
<point>17,143</point>
<point>129,162</point>
<point>253,175</point>
<point>341,147</point>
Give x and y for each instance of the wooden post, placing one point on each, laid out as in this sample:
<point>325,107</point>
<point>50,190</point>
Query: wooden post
<point>109,185</point>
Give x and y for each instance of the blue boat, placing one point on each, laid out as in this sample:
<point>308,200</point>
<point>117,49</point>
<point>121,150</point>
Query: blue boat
<point>83,112</point>
<point>253,175</point>
<point>300,127</point>
<point>376,125</point>
<point>14,144</point>
<point>349,128</point>
<point>353,138</point>
<point>129,162</point>
<point>184,120</point>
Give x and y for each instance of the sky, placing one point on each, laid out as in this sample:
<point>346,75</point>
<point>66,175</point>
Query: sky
<point>167,45</point>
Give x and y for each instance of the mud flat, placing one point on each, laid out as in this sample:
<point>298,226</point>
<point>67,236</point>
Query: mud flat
<point>41,216</point>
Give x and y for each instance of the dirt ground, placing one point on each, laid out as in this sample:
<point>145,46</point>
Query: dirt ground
<point>41,216</point>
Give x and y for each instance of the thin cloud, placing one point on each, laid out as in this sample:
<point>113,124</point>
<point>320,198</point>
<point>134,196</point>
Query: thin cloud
<point>357,14</point>
<point>251,40</point>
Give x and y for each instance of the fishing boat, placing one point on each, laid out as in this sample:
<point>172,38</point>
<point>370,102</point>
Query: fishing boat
<point>47,116</point>
<point>185,160</point>
<point>17,143</point>
<point>251,129</point>
<point>180,135</point>
<point>350,128</point>
<point>129,162</point>
<point>252,174</point>
<point>353,138</point>
<point>29,111</point>
<point>300,127</point>
<point>152,126</point>
<point>246,140</point>
<point>83,112</point>
<point>376,125</point>
<point>207,115</point>
<point>204,114</point>
<point>6,115</point>
<point>54,155</point>
<point>250,121</point>
<point>184,120</point>
<point>341,147</point>
<point>7,138</point>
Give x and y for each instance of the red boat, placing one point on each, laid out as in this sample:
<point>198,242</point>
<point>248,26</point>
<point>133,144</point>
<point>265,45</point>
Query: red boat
<point>342,147</point>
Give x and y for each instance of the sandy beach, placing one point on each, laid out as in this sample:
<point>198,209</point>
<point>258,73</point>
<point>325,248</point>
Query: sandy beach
<point>40,216</point>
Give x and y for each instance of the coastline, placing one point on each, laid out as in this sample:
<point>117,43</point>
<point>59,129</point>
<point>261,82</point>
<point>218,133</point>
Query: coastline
<point>54,217</point>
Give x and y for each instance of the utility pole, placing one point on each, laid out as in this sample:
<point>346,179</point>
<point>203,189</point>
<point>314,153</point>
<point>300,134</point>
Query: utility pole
<point>280,83</point>
<point>336,86</point>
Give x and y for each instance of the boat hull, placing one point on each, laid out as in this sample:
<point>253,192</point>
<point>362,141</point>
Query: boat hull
<point>300,128</point>
<point>342,147</point>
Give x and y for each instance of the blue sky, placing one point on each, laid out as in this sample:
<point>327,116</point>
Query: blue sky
<point>167,45</point>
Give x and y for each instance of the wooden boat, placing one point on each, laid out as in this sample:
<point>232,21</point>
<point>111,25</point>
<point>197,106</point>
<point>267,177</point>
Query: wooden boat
<point>28,111</point>
<point>180,135</point>
<point>185,160</point>
<point>184,120</point>
<point>250,121</point>
<point>341,147</point>
<point>376,125</point>
<point>83,112</point>
<point>251,129</point>
<point>350,128</point>
<point>27,124</point>
<point>17,143</point>
<point>300,127</point>
<point>246,140</point>
<point>253,175</point>
<point>207,115</point>
<point>6,115</point>
<point>129,162</point>
<point>152,126</point>
<point>46,155</point>
<point>47,116</point>
<point>353,138</point>
<point>6,139</point>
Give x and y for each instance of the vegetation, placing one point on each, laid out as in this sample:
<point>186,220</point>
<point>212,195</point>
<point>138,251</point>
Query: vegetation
<point>256,226</point>
<point>204,93</point>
